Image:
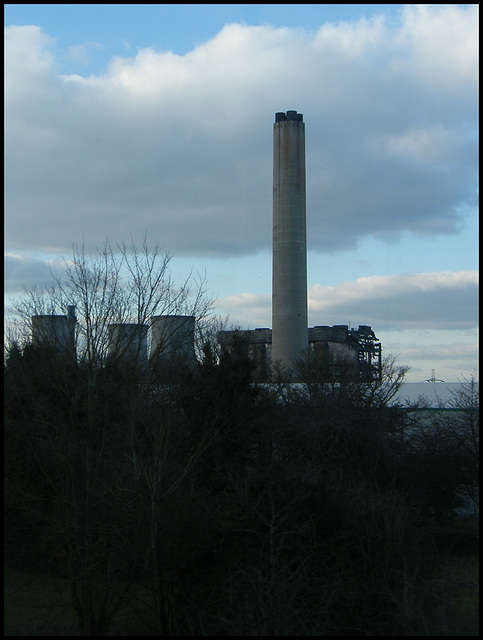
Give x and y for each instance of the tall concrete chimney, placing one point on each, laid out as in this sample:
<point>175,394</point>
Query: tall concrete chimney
<point>289,275</point>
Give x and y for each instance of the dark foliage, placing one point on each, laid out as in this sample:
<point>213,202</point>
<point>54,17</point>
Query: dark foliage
<point>213,506</point>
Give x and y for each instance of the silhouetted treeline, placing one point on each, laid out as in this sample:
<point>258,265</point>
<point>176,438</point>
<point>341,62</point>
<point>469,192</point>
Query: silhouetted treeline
<point>213,506</point>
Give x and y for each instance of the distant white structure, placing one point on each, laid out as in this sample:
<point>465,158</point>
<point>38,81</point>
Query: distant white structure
<point>433,377</point>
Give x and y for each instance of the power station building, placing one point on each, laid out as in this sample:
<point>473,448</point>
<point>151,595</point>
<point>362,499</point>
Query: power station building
<point>338,351</point>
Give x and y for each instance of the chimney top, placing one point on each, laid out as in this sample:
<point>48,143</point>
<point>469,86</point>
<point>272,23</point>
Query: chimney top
<point>281,116</point>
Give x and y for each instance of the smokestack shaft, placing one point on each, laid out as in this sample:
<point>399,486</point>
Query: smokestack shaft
<point>289,284</point>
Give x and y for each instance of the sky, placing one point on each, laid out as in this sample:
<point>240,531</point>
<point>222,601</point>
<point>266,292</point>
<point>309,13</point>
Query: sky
<point>130,120</point>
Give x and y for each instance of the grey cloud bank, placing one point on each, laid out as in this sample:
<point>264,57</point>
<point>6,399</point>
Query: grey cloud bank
<point>180,146</point>
<point>25,272</point>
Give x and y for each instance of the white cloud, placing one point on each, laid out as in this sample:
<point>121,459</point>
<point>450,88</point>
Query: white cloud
<point>434,145</point>
<point>452,360</point>
<point>443,39</point>
<point>412,301</point>
<point>180,146</point>
<point>352,39</point>
<point>436,351</point>
<point>247,310</point>
<point>82,52</point>
<point>409,301</point>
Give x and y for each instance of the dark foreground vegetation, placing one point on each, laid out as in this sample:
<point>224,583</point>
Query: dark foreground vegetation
<point>204,505</point>
<point>156,498</point>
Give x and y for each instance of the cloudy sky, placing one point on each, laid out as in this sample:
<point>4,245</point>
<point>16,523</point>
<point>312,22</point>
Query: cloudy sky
<point>122,120</point>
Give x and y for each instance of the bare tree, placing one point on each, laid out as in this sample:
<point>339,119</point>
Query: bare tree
<point>110,287</point>
<point>94,416</point>
<point>459,423</point>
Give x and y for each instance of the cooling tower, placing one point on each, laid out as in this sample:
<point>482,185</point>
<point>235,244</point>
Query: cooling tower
<point>128,342</point>
<point>173,337</point>
<point>54,331</point>
<point>289,275</point>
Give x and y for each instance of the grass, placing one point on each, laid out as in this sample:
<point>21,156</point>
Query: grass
<point>39,606</point>
<point>462,574</point>
<point>36,605</point>
<point>458,572</point>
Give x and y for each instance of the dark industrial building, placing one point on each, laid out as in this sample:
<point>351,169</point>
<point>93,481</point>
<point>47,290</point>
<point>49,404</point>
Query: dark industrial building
<point>338,353</point>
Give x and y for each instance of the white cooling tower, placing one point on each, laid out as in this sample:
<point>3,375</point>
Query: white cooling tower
<point>54,331</point>
<point>173,337</point>
<point>128,341</point>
